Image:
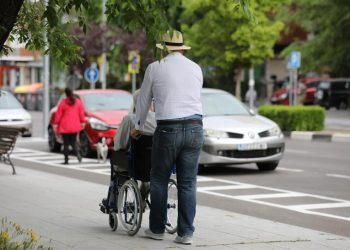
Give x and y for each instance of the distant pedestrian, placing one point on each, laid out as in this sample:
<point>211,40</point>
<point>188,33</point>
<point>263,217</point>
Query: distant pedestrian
<point>69,120</point>
<point>175,84</point>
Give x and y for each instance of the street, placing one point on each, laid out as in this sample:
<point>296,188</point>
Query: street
<point>310,188</point>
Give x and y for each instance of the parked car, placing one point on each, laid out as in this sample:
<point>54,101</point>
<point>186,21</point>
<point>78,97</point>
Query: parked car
<point>305,92</point>
<point>236,135</point>
<point>13,114</point>
<point>334,93</point>
<point>104,111</point>
<point>281,95</point>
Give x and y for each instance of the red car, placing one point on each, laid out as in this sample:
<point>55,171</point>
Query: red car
<point>306,92</point>
<point>104,111</point>
<point>311,88</point>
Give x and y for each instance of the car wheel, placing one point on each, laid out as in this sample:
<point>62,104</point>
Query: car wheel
<point>201,168</point>
<point>343,105</point>
<point>85,149</point>
<point>53,144</point>
<point>267,166</point>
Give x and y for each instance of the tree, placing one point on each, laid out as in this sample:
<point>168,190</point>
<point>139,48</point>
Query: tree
<point>224,41</point>
<point>37,18</point>
<point>8,18</point>
<point>328,23</point>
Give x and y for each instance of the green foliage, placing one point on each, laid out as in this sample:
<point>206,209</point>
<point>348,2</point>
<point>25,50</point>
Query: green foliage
<point>295,118</point>
<point>329,23</point>
<point>14,237</point>
<point>36,18</point>
<point>221,36</point>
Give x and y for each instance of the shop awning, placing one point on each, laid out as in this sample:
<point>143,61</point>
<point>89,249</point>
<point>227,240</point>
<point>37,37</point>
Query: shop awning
<point>30,88</point>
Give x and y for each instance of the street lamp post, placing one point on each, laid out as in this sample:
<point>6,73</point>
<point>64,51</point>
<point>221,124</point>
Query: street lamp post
<point>46,86</point>
<point>104,59</point>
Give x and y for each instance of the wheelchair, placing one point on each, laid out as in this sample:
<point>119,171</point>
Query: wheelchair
<point>127,200</point>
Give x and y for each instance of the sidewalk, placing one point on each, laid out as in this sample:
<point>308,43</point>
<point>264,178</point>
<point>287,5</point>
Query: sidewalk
<point>65,211</point>
<point>337,129</point>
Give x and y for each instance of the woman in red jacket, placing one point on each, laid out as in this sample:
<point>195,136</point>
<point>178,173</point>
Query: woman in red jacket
<point>69,121</point>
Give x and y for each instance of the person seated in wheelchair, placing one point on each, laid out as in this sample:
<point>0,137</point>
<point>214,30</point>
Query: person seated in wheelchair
<point>127,153</point>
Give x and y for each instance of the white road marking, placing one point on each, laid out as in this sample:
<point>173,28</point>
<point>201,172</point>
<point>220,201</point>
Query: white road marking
<point>31,139</point>
<point>257,198</point>
<point>338,176</point>
<point>203,178</point>
<point>319,206</point>
<point>56,160</point>
<point>226,187</point>
<point>290,169</point>
<point>47,157</point>
<point>269,196</point>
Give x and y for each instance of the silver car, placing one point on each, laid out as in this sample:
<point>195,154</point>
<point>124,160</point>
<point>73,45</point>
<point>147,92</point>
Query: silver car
<point>13,114</point>
<point>235,135</point>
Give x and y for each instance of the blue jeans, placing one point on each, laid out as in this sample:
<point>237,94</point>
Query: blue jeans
<point>178,144</point>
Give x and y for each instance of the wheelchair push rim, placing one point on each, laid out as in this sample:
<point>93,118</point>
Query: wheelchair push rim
<point>129,207</point>
<point>172,206</point>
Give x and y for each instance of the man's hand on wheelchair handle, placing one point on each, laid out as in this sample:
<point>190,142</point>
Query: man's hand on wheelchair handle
<point>134,133</point>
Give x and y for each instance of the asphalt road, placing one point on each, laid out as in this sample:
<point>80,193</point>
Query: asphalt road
<point>310,188</point>
<point>336,120</point>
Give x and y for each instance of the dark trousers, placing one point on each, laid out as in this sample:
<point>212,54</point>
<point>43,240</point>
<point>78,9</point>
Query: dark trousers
<point>70,139</point>
<point>178,144</point>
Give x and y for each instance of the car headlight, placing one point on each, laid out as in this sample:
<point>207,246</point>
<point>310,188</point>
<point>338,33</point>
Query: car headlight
<point>275,131</point>
<point>98,124</point>
<point>283,96</point>
<point>215,133</point>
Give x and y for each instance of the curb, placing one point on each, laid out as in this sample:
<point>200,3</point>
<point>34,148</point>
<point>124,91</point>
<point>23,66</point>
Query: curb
<point>318,136</point>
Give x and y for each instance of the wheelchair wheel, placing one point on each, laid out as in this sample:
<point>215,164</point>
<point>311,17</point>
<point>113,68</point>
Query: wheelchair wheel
<point>130,207</point>
<point>113,221</point>
<point>171,225</point>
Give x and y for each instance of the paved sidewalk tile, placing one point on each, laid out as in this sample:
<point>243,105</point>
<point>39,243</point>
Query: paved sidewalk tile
<point>65,211</point>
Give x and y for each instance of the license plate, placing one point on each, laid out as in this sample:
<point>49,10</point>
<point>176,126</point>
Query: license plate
<point>252,146</point>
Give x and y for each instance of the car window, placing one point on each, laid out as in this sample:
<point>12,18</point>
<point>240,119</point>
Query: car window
<point>217,104</point>
<point>313,84</point>
<point>8,101</point>
<point>106,101</point>
<point>338,86</point>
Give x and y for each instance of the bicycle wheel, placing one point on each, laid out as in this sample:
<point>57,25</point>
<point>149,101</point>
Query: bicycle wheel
<point>171,224</point>
<point>129,207</point>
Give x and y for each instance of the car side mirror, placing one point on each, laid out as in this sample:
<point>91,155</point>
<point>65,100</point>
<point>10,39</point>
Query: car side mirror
<point>252,112</point>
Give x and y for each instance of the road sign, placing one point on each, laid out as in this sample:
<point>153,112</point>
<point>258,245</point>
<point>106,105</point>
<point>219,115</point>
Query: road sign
<point>134,62</point>
<point>92,75</point>
<point>294,60</point>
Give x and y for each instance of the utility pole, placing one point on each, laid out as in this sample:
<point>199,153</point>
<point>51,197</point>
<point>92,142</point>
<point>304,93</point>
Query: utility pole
<point>46,91</point>
<point>104,59</point>
<point>293,63</point>
<point>251,91</point>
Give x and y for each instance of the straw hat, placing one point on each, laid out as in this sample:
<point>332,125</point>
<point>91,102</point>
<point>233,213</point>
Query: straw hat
<point>176,42</point>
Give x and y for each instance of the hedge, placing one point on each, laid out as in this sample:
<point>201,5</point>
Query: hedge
<point>295,118</point>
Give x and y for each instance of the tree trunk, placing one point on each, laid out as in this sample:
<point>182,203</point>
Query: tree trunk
<point>8,16</point>
<point>238,77</point>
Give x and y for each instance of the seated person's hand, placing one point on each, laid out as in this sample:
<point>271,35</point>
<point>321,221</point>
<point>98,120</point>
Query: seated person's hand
<point>134,133</point>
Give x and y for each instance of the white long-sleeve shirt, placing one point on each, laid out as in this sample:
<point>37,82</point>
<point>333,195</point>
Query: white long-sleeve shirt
<point>175,84</point>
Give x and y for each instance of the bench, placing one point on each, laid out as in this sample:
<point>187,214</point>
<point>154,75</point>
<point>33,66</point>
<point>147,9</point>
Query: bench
<point>8,137</point>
